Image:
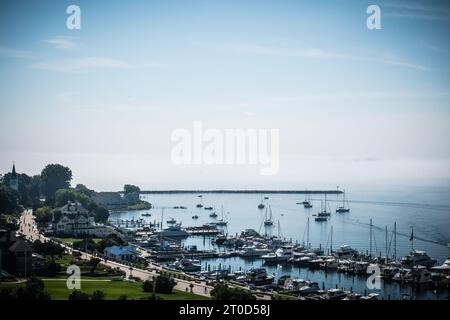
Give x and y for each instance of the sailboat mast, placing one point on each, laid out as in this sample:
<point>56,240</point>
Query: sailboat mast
<point>395,240</point>
<point>370,245</point>
<point>386,239</point>
<point>331,242</point>
<point>307,234</point>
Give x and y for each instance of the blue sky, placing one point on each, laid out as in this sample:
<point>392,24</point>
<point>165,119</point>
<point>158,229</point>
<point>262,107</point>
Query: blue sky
<point>352,104</point>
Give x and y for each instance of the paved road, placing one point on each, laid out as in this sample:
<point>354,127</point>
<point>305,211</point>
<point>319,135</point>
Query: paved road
<point>29,229</point>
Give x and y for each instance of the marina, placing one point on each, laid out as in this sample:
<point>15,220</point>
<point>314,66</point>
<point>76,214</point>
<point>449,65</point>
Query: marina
<point>335,255</point>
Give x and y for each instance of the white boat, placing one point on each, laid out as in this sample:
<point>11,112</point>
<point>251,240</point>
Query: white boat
<point>418,258</point>
<point>221,221</point>
<point>311,288</point>
<point>268,220</point>
<point>174,231</point>
<point>258,276</point>
<point>336,294</point>
<point>345,207</point>
<point>282,254</point>
<point>345,252</point>
<point>252,251</point>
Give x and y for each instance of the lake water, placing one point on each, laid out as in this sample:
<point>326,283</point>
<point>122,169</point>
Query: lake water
<point>425,209</point>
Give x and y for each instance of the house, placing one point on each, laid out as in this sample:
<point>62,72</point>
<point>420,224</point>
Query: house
<point>15,254</point>
<point>125,253</point>
<point>73,219</point>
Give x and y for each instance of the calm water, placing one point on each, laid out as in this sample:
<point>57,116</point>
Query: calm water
<point>427,210</point>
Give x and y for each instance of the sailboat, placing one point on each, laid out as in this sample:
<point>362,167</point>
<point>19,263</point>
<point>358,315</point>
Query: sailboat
<point>200,205</point>
<point>261,205</point>
<point>213,214</point>
<point>221,221</point>
<point>268,221</point>
<point>323,214</point>
<point>307,203</point>
<point>343,208</point>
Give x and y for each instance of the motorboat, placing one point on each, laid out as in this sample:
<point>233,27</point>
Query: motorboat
<point>252,251</point>
<point>310,288</point>
<point>173,231</point>
<point>282,254</point>
<point>146,214</point>
<point>345,252</point>
<point>258,276</point>
<point>418,258</point>
<point>171,221</point>
<point>208,208</point>
<point>213,215</point>
<point>187,265</point>
<point>195,216</point>
<point>336,294</point>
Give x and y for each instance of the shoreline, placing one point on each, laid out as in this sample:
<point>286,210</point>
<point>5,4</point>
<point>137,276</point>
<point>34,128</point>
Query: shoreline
<point>244,191</point>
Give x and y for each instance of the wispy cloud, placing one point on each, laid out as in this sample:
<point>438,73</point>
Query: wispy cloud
<point>416,10</point>
<point>314,53</point>
<point>62,43</point>
<point>15,53</point>
<point>81,65</point>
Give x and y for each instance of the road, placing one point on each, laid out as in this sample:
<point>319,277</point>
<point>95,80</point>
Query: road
<point>29,229</point>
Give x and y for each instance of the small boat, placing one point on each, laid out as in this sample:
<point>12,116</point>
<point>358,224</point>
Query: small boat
<point>268,221</point>
<point>320,219</point>
<point>213,215</point>
<point>171,221</point>
<point>146,214</point>
<point>195,216</point>
<point>208,208</point>
<point>184,208</point>
<point>266,198</point>
<point>221,221</point>
<point>261,205</point>
<point>343,208</point>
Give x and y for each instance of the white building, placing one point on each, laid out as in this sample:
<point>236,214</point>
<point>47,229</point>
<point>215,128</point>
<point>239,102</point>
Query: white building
<point>73,219</point>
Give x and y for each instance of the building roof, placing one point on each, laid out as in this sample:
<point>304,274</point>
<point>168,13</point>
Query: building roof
<point>13,173</point>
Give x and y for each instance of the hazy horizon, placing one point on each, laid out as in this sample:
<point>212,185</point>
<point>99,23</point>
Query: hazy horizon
<point>353,106</point>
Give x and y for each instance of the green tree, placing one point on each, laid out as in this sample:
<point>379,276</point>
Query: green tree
<point>8,199</point>
<point>98,295</point>
<point>101,215</point>
<point>224,292</point>
<point>62,196</point>
<point>93,263</point>
<point>53,178</point>
<point>33,290</point>
<point>43,215</point>
<point>147,286</point>
<point>83,189</point>
<point>77,295</point>
<point>164,284</point>
<point>129,188</point>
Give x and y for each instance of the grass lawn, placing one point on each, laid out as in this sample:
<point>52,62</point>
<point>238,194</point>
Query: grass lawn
<point>112,289</point>
<point>72,240</point>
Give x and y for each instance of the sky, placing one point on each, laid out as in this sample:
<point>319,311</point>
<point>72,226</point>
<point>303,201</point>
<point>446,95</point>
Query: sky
<point>352,105</point>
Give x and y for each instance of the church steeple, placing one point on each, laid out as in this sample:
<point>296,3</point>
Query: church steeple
<point>14,180</point>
